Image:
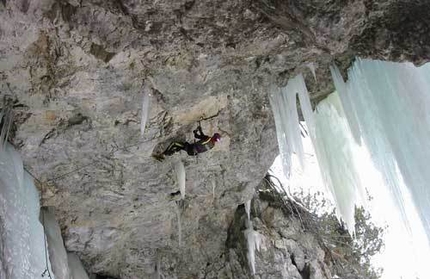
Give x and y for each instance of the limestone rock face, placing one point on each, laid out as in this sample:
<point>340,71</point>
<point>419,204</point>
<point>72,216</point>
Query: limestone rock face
<point>287,249</point>
<point>75,71</point>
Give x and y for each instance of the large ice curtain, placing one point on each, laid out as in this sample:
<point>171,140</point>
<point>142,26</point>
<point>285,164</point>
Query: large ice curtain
<point>22,244</point>
<point>388,105</point>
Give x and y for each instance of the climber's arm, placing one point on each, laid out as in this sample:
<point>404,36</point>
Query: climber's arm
<point>198,133</point>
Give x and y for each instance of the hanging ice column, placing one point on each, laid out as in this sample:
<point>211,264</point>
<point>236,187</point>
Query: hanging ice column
<point>362,116</point>
<point>287,124</point>
<point>253,238</point>
<point>335,148</point>
<point>330,136</point>
<point>57,252</point>
<point>145,108</point>
<point>21,235</point>
<point>180,175</point>
<point>389,106</point>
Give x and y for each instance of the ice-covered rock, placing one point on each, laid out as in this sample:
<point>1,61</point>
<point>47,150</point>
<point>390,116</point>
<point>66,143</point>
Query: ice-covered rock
<point>57,252</point>
<point>22,239</point>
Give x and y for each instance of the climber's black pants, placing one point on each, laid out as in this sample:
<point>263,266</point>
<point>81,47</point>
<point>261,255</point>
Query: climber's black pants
<point>177,146</point>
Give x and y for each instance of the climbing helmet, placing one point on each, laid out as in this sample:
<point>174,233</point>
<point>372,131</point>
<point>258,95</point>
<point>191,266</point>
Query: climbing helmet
<point>217,137</point>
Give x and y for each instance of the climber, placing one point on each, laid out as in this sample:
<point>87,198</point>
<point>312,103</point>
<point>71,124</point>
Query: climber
<point>203,144</point>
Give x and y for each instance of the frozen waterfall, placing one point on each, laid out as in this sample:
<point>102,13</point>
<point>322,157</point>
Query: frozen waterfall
<point>389,107</point>
<point>388,112</point>
<point>326,129</point>
<point>25,252</point>
<point>335,148</point>
<point>370,137</point>
<point>22,238</point>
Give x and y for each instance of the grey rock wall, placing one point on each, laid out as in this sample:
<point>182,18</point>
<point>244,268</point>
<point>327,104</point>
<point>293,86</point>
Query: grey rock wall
<point>75,71</point>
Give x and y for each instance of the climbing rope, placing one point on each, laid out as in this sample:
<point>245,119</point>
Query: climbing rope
<point>47,272</point>
<point>124,148</point>
<point>200,125</point>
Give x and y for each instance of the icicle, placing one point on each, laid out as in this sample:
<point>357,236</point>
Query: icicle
<point>213,188</point>
<point>328,131</point>
<point>346,103</point>
<point>254,243</point>
<point>284,147</point>
<point>305,103</point>
<point>253,238</point>
<point>248,209</point>
<point>57,252</point>
<point>293,130</point>
<point>180,175</point>
<point>311,67</point>
<point>145,108</point>
<point>283,102</point>
<point>178,216</point>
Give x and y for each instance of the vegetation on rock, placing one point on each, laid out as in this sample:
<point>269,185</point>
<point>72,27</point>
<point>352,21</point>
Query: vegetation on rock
<point>348,256</point>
